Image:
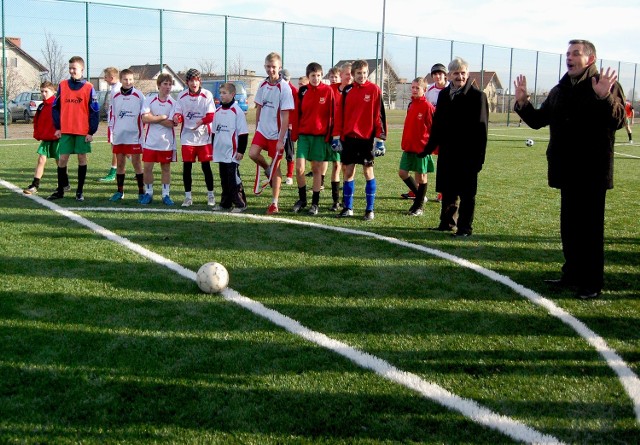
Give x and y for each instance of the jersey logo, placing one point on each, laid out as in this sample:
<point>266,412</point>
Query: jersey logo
<point>323,100</point>
<point>420,116</point>
<point>367,97</point>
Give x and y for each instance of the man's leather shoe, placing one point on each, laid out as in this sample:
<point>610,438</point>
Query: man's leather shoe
<point>587,294</point>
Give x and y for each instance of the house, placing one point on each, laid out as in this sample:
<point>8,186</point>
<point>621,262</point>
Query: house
<point>145,78</point>
<point>488,82</point>
<point>23,71</point>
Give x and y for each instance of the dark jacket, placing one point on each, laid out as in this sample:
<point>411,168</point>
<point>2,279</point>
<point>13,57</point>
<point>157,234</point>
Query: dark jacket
<point>582,131</point>
<point>460,126</point>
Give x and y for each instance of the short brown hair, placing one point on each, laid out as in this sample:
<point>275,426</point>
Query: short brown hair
<point>229,86</point>
<point>589,48</point>
<point>314,67</point>
<point>358,65</point>
<point>163,77</point>
<point>125,72</point>
<point>77,59</point>
<point>110,71</point>
<point>420,81</point>
<point>273,56</point>
<point>47,85</point>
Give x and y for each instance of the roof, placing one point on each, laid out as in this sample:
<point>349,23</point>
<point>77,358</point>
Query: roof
<point>485,79</point>
<point>40,67</point>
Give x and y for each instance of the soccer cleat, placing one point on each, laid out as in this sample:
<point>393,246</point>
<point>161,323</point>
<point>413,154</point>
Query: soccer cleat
<point>345,213</point>
<point>67,188</point>
<point>335,207</point>
<point>219,208</point>
<point>31,190</point>
<point>289,181</point>
<point>166,200</point>
<point>79,197</point>
<point>211,201</point>
<point>56,195</point>
<point>140,197</point>
<point>439,197</point>
<point>238,209</point>
<point>146,199</point>
<point>309,175</point>
<point>369,215</point>
<point>188,202</point>
<point>299,205</point>
<point>313,210</point>
<point>273,208</point>
<point>117,196</point>
<point>409,195</point>
<point>415,212</point>
<point>111,176</point>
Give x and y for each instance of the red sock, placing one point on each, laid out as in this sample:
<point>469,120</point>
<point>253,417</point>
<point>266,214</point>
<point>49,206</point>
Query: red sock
<point>290,167</point>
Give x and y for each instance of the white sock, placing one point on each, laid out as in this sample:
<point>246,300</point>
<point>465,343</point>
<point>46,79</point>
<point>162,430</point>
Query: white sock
<point>210,194</point>
<point>148,188</point>
<point>165,189</point>
<point>187,195</point>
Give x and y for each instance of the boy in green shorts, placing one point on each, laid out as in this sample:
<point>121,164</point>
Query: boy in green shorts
<point>76,115</point>
<point>44,131</point>
<point>315,108</point>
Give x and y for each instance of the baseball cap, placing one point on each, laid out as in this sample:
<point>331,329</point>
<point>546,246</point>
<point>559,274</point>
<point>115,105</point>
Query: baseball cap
<point>438,67</point>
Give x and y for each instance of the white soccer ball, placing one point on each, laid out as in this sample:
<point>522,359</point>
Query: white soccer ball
<point>212,278</point>
<point>529,142</point>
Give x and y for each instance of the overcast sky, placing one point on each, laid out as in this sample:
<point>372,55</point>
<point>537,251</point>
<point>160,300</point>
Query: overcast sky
<point>544,25</point>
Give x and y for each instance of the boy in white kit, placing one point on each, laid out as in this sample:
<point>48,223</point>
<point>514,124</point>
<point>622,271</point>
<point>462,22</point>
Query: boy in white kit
<point>195,110</point>
<point>159,142</point>
<point>126,127</point>
<point>230,137</point>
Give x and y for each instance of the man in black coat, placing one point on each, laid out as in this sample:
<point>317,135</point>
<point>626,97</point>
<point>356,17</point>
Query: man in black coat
<point>459,128</point>
<point>583,113</point>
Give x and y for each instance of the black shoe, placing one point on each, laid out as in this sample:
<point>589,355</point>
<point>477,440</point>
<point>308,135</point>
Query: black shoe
<point>299,205</point>
<point>56,195</point>
<point>442,228</point>
<point>309,175</point>
<point>587,294</point>
<point>462,234</point>
<point>345,213</point>
<point>335,207</point>
<point>559,282</point>
<point>368,215</point>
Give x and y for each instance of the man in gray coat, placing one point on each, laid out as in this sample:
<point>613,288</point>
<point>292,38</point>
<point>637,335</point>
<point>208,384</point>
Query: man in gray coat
<point>583,113</point>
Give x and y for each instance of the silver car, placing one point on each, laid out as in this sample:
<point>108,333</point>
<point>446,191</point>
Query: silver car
<point>2,111</point>
<point>25,105</point>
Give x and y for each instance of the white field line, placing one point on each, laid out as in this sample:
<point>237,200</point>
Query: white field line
<point>629,380</point>
<point>469,408</point>
<point>626,155</point>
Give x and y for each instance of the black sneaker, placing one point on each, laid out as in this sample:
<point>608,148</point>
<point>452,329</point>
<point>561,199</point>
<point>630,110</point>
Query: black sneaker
<point>335,207</point>
<point>345,213</point>
<point>309,175</point>
<point>369,215</point>
<point>299,205</point>
<point>56,195</point>
<point>79,197</point>
<point>313,210</point>
<point>415,212</point>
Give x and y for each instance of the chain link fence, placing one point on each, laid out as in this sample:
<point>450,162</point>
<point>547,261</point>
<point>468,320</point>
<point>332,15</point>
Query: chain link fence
<point>233,48</point>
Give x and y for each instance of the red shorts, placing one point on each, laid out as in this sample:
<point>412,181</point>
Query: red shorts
<point>203,153</point>
<point>265,144</point>
<point>161,156</point>
<point>127,149</point>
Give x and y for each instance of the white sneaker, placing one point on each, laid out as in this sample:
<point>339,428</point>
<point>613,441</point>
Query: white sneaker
<point>238,209</point>
<point>188,202</point>
<point>211,201</point>
<point>289,181</point>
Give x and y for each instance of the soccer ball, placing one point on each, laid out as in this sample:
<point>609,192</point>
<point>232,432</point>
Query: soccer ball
<point>212,278</point>
<point>529,142</point>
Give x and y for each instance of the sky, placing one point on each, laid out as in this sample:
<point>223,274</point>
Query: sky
<point>543,25</point>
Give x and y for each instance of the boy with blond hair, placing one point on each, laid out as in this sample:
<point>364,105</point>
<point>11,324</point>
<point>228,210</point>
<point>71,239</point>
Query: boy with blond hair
<point>44,131</point>
<point>76,116</point>
<point>274,101</point>
<point>110,75</point>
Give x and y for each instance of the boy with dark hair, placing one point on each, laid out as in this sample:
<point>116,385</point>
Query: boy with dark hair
<point>76,115</point>
<point>361,128</point>
<point>315,118</point>
<point>230,138</point>
<point>44,131</point>
<point>159,143</point>
<point>195,110</point>
<point>126,127</point>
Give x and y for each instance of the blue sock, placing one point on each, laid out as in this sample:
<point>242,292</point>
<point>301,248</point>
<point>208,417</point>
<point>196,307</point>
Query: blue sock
<point>347,194</point>
<point>370,192</point>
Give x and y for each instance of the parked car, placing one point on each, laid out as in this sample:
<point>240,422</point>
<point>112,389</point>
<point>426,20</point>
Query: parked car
<point>2,111</point>
<point>241,92</point>
<point>25,105</point>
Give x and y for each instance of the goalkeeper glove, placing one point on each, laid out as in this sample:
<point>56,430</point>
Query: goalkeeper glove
<point>336,145</point>
<point>379,148</point>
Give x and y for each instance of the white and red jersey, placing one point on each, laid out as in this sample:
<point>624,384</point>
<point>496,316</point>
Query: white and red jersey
<point>360,113</point>
<point>433,91</point>
<point>157,136</point>
<point>315,114</point>
<point>228,123</point>
<point>417,125</point>
<point>194,107</point>
<point>126,121</point>
<point>113,89</point>
<point>273,98</point>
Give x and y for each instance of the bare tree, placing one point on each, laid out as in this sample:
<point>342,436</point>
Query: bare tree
<point>15,83</point>
<point>53,59</point>
<point>207,68</point>
<point>236,66</point>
